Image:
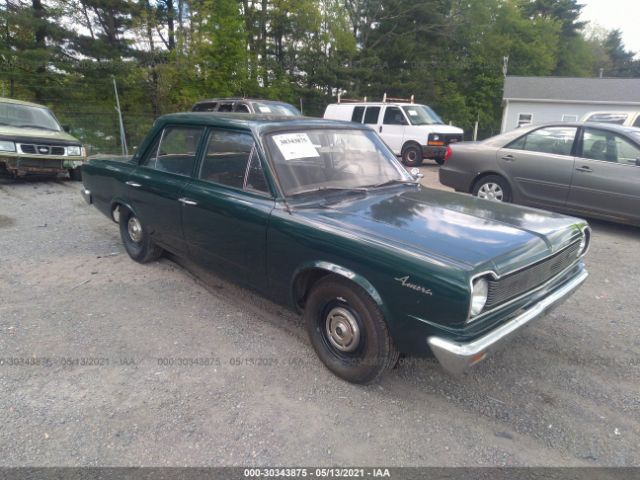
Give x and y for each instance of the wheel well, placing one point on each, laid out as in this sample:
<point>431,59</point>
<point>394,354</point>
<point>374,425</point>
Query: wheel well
<point>484,175</point>
<point>409,143</point>
<point>303,284</point>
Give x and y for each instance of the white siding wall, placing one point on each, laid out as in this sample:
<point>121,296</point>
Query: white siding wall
<point>553,112</point>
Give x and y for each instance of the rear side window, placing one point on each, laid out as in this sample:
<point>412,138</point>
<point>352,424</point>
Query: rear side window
<point>609,147</point>
<point>358,113</point>
<point>176,152</point>
<point>371,115</point>
<point>225,107</point>
<point>553,140</point>
<point>227,158</point>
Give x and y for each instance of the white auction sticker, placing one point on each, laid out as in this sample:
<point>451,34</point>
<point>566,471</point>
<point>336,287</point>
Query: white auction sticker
<point>413,113</point>
<point>295,145</point>
<point>264,109</point>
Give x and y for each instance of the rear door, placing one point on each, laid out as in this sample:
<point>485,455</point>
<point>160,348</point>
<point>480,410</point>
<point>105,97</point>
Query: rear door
<point>227,208</point>
<point>156,185</point>
<point>606,180</point>
<point>539,165</point>
<point>393,127</point>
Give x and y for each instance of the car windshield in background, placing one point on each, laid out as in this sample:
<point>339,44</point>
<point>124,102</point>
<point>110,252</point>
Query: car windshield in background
<point>276,109</point>
<point>422,115</point>
<point>26,116</point>
<point>332,159</point>
<point>617,118</point>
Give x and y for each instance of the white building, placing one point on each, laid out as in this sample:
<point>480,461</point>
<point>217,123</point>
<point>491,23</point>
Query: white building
<point>536,100</point>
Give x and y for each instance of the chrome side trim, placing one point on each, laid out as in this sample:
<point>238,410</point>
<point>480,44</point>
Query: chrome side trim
<point>457,358</point>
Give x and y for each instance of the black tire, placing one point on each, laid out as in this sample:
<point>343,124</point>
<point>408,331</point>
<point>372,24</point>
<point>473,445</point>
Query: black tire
<point>334,302</point>
<point>412,155</point>
<point>483,187</point>
<point>75,174</point>
<point>141,249</point>
<point>439,160</point>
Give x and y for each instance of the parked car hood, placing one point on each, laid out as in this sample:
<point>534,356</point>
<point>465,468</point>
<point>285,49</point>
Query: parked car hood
<point>450,227</point>
<point>7,131</point>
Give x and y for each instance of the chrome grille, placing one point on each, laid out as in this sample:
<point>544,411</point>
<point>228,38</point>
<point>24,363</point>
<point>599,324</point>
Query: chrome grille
<point>530,277</point>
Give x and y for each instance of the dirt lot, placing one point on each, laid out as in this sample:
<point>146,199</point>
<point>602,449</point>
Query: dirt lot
<point>107,362</point>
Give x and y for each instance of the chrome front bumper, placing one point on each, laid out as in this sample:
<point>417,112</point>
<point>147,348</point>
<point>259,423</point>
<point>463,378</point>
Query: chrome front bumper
<point>457,358</point>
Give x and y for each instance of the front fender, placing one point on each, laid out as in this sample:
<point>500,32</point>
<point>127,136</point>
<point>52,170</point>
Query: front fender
<point>336,269</point>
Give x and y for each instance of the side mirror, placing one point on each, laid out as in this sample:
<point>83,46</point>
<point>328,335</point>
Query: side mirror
<point>415,173</point>
<point>66,128</point>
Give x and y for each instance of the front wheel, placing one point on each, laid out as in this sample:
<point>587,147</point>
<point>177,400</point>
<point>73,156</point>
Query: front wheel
<point>348,331</point>
<point>136,239</point>
<point>412,156</point>
<point>492,187</point>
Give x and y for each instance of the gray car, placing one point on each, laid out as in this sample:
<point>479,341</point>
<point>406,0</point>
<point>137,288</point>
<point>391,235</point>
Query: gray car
<point>588,169</point>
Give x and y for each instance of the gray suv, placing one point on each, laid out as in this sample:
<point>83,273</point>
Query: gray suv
<point>246,105</point>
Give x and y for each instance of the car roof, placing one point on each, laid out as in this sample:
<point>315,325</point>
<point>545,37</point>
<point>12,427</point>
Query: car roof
<point>380,104</point>
<point>240,99</point>
<point>518,132</point>
<point>258,123</point>
<point>20,102</point>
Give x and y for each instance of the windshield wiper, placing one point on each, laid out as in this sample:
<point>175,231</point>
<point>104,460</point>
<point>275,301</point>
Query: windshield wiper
<point>36,126</point>
<point>395,181</point>
<point>331,189</point>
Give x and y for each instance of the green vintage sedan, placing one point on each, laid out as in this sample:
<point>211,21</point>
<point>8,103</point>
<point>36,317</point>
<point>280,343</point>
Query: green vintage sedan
<point>321,216</point>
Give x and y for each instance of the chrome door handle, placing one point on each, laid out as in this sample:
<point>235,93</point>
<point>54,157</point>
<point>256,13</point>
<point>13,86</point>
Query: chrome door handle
<point>133,184</point>
<point>187,201</point>
<point>584,169</point>
<point>509,158</point>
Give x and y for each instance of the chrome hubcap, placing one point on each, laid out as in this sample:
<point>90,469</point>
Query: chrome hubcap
<point>342,329</point>
<point>135,229</point>
<point>491,191</point>
<point>411,155</point>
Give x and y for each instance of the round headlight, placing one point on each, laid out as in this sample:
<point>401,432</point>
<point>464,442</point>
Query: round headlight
<point>479,296</point>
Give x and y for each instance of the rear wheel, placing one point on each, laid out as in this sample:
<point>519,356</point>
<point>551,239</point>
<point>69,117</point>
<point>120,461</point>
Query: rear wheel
<point>348,331</point>
<point>493,187</point>
<point>136,239</point>
<point>412,156</point>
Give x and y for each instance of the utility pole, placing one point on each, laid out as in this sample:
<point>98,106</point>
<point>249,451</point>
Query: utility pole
<point>123,139</point>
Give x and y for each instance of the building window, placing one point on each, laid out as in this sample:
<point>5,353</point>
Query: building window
<point>569,118</point>
<point>525,119</point>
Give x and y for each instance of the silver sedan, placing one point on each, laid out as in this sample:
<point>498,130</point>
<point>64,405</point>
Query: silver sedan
<point>587,169</point>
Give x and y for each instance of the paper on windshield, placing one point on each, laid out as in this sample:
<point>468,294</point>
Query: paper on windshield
<point>264,109</point>
<point>412,112</point>
<point>295,145</point>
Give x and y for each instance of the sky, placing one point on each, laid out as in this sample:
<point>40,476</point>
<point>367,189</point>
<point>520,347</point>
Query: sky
<point>611,14</point>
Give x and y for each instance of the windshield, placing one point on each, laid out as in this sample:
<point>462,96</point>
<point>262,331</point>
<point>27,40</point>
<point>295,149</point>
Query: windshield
<point>422,115</point>
<point>26,116</point>
<point>327,159</point>
<point>276,109</point>
<point>617,118</point>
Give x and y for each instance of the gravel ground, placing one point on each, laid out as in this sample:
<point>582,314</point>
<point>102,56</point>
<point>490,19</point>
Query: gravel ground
<point>97,365</point>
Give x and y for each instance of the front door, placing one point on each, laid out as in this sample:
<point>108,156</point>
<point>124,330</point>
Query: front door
<point>539,165</point>
<point>392,128</point>
<point>606,179</point>
<point>227,208</point>
<point>156,185</point>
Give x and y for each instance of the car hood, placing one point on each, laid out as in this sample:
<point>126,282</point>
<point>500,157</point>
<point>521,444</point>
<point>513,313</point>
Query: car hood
<point>450,227</point>
<point>18,133</point>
